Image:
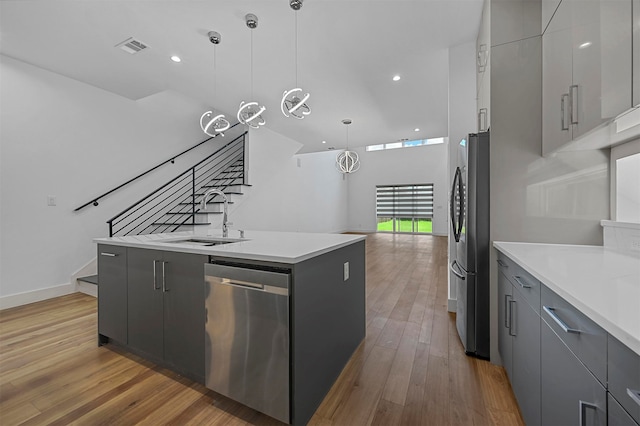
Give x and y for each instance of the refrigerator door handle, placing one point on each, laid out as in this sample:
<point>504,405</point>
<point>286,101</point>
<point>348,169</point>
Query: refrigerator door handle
<point>454,268</point>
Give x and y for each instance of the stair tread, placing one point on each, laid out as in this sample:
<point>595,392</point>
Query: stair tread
<point>234,184</point>
<point>91,279</point>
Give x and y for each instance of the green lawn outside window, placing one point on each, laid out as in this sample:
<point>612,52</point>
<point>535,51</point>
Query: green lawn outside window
<point>406,225</point>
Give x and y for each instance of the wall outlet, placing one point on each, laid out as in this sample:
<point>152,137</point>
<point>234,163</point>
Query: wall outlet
<point>51,200</point>
<point>635,244</point>
<point>346,271</point>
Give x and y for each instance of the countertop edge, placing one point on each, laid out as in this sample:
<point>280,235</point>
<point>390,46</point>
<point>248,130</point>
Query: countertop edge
<point>623,336</point>
<point>211,251</point>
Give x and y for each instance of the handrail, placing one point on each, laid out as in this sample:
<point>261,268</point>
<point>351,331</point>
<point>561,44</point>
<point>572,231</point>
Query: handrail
<point>176,178</point>
<point>94,201</point>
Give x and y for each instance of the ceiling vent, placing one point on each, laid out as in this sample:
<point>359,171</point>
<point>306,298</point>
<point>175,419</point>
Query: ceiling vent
<point>131,45</point>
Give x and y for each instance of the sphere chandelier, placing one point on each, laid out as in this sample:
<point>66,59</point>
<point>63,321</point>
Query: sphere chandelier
<point>250,113</point>
<point>347,161</point>
<point>294,101</point>
<point>213,124</point>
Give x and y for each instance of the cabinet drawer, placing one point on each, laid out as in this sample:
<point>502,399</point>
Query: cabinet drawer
<point>624,376</point>
<point>616,414</point>
<point>524,282</point>
<point>585,338</point>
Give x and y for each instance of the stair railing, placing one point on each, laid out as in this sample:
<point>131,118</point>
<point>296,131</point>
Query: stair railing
<point>176,203</point>
<point>94,201</point>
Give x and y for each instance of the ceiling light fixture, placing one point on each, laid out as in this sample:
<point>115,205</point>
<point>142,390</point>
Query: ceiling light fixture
<point>294,101</point>
<point>175,58</point>
<point>396,78</point>
<point>211,123</point>
<point>250,113</point>
<point>416,130</point>
<point>347,161</point>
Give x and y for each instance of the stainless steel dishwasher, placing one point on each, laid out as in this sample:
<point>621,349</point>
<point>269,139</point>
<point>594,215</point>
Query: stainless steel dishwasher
<point>247,336</point>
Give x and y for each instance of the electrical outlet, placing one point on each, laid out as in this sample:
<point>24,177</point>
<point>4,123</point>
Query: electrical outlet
<point>635,244</point>
<point>51,200</point>
<point>346,271</point>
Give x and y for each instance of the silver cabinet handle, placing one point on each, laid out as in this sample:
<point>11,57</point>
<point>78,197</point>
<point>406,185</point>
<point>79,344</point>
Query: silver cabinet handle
<point>573,104</point>
<point>511,327</point>
<point>582,406</point>
<point>556,318</point>
<point>507,312</point>
<point>634,394</point>
<point>482,120</point>
<point>108,254</point>
<point>520,281</point>
<point>155,280</point>
<point>164,278</point>
<point>563,123</point>
<point>502,264</point>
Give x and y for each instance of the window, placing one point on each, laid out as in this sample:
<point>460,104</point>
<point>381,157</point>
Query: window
<point>404,208</point>
<point>405,144</point>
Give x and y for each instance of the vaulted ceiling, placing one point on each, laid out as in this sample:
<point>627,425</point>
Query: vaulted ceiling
<point>348,52</point>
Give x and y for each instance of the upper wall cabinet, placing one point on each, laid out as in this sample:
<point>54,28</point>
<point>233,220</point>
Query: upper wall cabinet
<point>483,68</point>
<point>586,68</point>
<point>636,52</point>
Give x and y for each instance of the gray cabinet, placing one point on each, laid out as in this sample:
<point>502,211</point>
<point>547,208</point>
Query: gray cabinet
<point>586,68</point>
<point>505,343</point>
<point>519,335</point>
<point>112,293</point>
<point>616,415</point>
<point>623,369</point>
<point>166,316</point>
<point>571,395</point>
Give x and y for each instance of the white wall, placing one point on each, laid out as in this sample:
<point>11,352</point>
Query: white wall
<point>421,164</point>
<point>625,182</point>
<point>462,121</point>
<point>73,141</point>
<point>302,193</point>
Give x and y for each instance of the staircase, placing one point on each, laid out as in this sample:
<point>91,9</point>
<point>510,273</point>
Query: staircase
<point>175,206</point>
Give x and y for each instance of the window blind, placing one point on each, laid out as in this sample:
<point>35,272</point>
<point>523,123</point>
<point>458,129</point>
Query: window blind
<point>406,201</point>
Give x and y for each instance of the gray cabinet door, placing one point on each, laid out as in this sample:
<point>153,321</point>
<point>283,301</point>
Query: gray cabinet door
<point>145,309</point>
<point>616,414</point>
<point>112,292</point>
<point>505,342</point>
<point>571,395</point>
<point>184,312</point>
<point>525,380</point>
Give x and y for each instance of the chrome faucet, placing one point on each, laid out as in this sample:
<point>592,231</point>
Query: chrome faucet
<point>213,191</point>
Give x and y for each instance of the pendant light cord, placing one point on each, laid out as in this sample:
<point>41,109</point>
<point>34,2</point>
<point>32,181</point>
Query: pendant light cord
<point>252,64</point>
<point>215,75</point>
<point>296,54</point>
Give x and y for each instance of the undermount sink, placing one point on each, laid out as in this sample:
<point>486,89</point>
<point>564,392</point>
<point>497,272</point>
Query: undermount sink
<point>203,241</point>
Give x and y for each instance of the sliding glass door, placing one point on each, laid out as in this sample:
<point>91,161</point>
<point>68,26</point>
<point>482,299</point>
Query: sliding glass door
<point>405,208</point>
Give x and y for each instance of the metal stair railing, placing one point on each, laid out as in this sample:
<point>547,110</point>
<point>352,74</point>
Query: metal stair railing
<point>176,203</point>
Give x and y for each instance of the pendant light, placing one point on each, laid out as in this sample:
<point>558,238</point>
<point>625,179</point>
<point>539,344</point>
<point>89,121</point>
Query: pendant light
<point>347,161</point>
<point>294,101</point>
<point>213,124</point>
<point>250,113</point>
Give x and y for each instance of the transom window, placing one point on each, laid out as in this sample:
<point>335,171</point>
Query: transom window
<point>404,144</point>
<point>404,208</point>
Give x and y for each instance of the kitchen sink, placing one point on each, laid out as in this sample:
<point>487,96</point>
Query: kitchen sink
<point>202,241</point>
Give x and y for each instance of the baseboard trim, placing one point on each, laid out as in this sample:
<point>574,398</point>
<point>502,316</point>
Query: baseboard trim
<point>451,305</point>
<point>27,297</point>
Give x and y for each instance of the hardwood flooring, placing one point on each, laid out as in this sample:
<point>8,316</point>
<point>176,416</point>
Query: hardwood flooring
<point>410,370</point>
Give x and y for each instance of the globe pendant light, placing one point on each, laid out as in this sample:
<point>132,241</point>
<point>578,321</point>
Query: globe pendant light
<point>250,113</point>
<point>294,101</point>
<point>347,161</point>
<point>211,123</point>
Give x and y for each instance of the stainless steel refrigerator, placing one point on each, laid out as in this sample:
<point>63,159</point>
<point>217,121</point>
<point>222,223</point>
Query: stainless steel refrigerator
<point>470,222</point>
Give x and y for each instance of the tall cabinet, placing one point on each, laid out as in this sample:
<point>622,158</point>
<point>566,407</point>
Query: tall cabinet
<point>586,68</point>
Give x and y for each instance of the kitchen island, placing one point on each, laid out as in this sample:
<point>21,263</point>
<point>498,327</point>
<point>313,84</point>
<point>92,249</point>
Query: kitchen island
<point>154,301</point>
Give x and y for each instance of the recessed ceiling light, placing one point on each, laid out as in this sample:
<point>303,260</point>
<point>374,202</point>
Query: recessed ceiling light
<point>175,58</point>
<point>396,77</point>
<point>416,129</point>
<point>585,44</point>
<point>324,141</point>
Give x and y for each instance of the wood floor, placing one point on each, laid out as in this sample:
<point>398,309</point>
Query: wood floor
<point>410,370</point>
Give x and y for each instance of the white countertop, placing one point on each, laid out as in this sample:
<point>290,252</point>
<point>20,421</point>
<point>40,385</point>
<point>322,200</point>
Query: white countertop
<point>282,247</point>
<point>601,283</point>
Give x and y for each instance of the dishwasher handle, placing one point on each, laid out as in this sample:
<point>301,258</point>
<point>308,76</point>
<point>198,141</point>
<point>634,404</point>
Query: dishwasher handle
<point>254,286</point>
